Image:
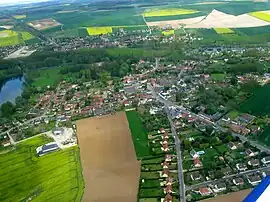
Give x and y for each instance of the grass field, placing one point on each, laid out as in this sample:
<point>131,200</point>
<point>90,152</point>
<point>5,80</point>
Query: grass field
<point>168,33</point>
<point>47,77</point>
<point>53,177</point>
<point>19,16</point>
<point>259,103</point>
<point>224,30</point>
<point>168,12</point>
<point>218,77</point>
<point>139,134</point>
<point>261,15</point>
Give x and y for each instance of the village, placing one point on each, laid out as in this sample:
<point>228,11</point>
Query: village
<point>218,152</point>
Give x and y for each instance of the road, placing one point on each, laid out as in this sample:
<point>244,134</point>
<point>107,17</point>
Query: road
<point>177,145</point>
<point>203,184</point>
<point>179,159</point>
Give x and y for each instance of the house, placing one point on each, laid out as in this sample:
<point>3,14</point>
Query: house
<point>241,167</point>
<point>232,146</point>
<point>47,148</point>
<point>248,152</point>
<point>168,157</point>
<point>254,179</point>
<point>220,187</point>
<point>162,130</point>
<point>6,143</point>
<point>169,181</point>
<point>205,191</point>
<point>266,160</point>
<point>58,131</point>
<point>226,171</point>
<point>167,189</point>
<point>197,163</point>
<point>195,176</point>
<point>165,172</point>
<point>238,181</point>
<point>239,129</point>
<point>194,154</point>
<point>168,198</point>
<point>165,164</point>
<point>165,136</point>
<point>254,162</point>
<point>126,103</point>
<point>165,147</point>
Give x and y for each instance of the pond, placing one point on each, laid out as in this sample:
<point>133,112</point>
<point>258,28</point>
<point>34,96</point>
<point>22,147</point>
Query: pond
<point>11,89</point>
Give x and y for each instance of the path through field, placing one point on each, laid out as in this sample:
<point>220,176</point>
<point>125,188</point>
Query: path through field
<point>110,167</point>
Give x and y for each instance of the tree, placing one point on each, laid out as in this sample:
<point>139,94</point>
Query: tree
<point>7,109</point>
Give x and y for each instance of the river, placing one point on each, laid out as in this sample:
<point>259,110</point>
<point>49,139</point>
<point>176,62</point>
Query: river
<point>11,89</point>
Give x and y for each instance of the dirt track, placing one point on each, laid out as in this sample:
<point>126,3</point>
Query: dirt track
<point>232,197</point>
<point>110,167</point>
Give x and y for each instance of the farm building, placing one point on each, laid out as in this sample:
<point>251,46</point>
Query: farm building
<point>58,131</point>
<point>47,148</point>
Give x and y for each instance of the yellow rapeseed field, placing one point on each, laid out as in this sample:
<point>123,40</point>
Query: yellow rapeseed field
<point>263,15</point>
<point>224,30</point>
<point>99,30</point>
<point>19,16</point>
<point>167,12</point>
<point>168,32</point>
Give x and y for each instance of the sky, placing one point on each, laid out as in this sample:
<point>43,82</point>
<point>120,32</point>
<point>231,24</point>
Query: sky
<point>18,1</point>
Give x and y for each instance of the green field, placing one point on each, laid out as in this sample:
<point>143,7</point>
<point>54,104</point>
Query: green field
<point>53,177</point>
<point>259,103</point>
<point>218,77</point>
<point>139,134</point>
<point>11,37</point>
<point>47,77</point>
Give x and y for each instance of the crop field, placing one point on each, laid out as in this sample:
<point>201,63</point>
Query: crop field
<point>263,15</point>
<point>259,103</point>
<point>168,33</point>
<point>18,17</point>
<point>110,167</point>
<point>168,12</point>
<point>139,134</point>
<point>224,30</point>
<point>99,30</point>
<point>53,177</point>
<point>10,37</point>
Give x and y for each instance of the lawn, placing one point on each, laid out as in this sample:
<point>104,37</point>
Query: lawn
<point>150,193</point>
<point>150,183</point>
<point>154,160</point>
<point>150,175</point>
<point>139,134</point>
<point>224,30</point>
<point>53,177</point>
<point>222,148</point>
<point>218,77</point>
<point>148,200</point>
<point>168,12</point>
<point>263,15</point>
<point>233,114</point>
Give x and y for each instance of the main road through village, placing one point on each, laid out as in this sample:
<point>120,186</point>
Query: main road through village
<point>182,187</point>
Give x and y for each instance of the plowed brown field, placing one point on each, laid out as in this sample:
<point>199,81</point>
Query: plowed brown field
<point>110,167</point>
